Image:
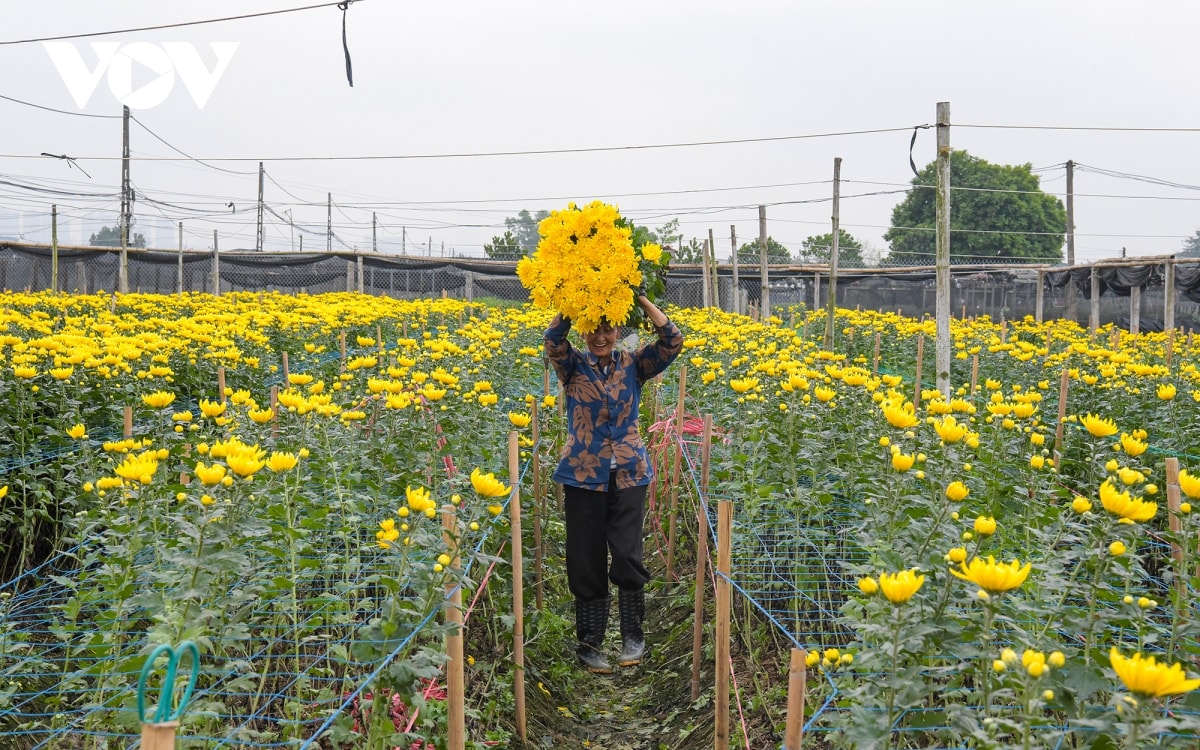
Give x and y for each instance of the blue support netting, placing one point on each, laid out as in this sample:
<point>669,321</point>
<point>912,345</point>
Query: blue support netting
<point>69,676</point>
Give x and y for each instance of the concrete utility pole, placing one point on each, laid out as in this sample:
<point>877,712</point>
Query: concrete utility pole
<point>374,233</point>
<point>831,302</point>
<point>942,307</point>
<point>258,244</point>
<point>1072,300</point>
<point>737,289</point>
<point>764,309</point>
<point>126,205</point>
<point>54,248</point>
<point>329,223</point>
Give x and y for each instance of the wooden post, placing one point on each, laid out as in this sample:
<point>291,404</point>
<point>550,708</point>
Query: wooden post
<point>737,289</point>
<point>1173,520</point>
<point>537,505</point>
<point>701,577</point>
<point>221,383</point>
<point>1040,296</point>
<point>942,283</point>
<point>1169,303</point>
<point>974,373</point>
<point>793,734</point>
<point>673,506</point>
<point>342,348</point>
<point>1170,346</point>
<point>216,266</point>
<point>1094,312</point>
<point>724,563</point>
<point>54,248</point>
<point>456,719</point>
<point>128,415</point>
<point>284,357</point>
<point>875,360</point>
<point>518,586</point>
<point>1135,310</point>
<point>159,736</point>
<point>706,292</point>
<point>831,302</point>
<point>920,366</point>
<point>1062,413</point>
<point>764,305</point>
<point>710,260</point>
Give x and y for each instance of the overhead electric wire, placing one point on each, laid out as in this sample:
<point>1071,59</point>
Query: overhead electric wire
<point>179,24</point>
<point>531,152</point>
<point>1078,127</point>
<point>182,152</point>
<point>59,111</point>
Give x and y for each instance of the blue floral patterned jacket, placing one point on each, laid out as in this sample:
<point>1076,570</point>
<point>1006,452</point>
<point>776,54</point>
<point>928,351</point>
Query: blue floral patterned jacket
<point>602,411</point>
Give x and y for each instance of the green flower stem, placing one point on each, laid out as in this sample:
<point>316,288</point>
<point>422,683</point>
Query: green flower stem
<point>985,636</point>
<point>1101,568</point>
<point>891,694</point>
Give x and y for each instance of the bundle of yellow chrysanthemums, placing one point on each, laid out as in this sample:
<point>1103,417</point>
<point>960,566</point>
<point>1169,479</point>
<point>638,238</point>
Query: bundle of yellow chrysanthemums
<point>588,265</point>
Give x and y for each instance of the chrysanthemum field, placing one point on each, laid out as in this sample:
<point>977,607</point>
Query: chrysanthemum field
<point>964,572</point>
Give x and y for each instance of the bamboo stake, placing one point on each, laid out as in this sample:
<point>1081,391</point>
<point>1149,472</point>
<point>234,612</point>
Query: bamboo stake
<point>1170,346</point>
<point>875,366</point>
<point>159,736</point>
<point>974,373</point>
<point>537,506</point>
<point>274,410</point>
<point>285,368</point>
<point>342,349</point>
<point>128,415</point>
<point>673,506</point>
<point>456,719</point>
<point>1173,520</point>
<point>1062,415</point>
<point>221,383</point>
<point>701,579</point>
<point>797,684</point>
<point>724,562</point>
<point>518,593</point>
<point>920,364</point>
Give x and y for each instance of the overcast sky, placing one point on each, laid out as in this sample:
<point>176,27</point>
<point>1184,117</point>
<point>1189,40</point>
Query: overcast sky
<point>469,77</point>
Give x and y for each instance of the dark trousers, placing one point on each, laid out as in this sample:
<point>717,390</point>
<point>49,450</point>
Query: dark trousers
<point>599,523</point>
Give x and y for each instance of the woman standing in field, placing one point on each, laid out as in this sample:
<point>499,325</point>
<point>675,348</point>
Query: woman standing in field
<point>605,473</point>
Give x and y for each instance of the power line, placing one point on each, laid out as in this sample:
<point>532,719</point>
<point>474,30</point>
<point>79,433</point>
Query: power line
<point>177,25</point>
<point>533,152</point>
<point>1081,127</point>
<point>59,111</point>
<point>180,151</point>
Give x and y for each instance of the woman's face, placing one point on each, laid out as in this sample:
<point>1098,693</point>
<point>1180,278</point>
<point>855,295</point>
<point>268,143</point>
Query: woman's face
<point>601,341</point>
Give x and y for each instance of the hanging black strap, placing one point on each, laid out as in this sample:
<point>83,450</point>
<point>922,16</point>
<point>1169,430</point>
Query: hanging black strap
<point>344,6</point>
<point>911,145</point>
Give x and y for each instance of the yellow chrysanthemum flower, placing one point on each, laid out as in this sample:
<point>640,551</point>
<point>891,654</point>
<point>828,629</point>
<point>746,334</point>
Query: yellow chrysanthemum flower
<point>1190,484</point>
<point>900,416</point>
<point>77,431</point>
<point>1098,426</point>
<point>991,576</point>
<point>212,409</point>
<point>486,485</point>
<point>1125,506</point>
<point>519,419</point>
<point>158,399</point>
<point>209,475</point>
<point>900,587</point>
<point>957,491</point>
<point>950,430</point>
<point>1144,676</point>
<point>280,462</point>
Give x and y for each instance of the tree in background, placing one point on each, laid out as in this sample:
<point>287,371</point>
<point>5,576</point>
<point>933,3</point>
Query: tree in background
<point>507,247</point>
<point>691,252</point>
<point>1022,223</point>
<point>817,249</point>
<point>668,234</point>
<point>525,228</point>
<point>1191,246</point>
<point>776,253</point>
<point>111,237</point>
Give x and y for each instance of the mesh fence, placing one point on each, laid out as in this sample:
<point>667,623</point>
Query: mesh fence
<point>1126,291</point>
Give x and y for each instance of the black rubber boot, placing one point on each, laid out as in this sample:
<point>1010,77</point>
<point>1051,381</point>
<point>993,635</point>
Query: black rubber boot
<point>591,620</point>
<point>633,641</point>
